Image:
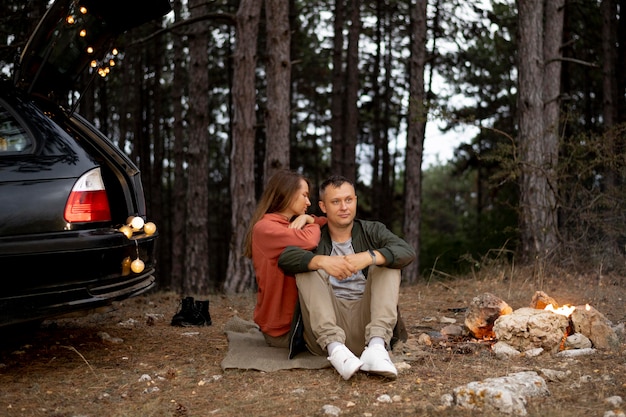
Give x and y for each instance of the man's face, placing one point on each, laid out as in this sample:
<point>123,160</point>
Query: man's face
<point>339,204</point>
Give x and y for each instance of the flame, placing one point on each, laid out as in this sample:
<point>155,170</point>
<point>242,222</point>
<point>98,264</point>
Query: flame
<point>565,310</point>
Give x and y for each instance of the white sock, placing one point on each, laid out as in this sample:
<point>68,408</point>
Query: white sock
<point>376,341</point>
<point>332,346</point>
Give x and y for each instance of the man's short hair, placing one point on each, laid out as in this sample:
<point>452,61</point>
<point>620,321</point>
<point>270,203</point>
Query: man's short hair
<point>335,181</point>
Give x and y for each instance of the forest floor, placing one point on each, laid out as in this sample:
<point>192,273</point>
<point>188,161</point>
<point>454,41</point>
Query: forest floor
<point>131,362</point>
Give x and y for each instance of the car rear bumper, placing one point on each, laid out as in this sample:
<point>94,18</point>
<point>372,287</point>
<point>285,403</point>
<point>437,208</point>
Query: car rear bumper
<point>65,273</point>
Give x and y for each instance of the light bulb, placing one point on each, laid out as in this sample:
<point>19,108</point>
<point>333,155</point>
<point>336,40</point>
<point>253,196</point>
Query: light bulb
<point>126,266</point>
<point>149,228</point>
<point>137,223</point>
<point>127,231</point>
<point>137,266</point>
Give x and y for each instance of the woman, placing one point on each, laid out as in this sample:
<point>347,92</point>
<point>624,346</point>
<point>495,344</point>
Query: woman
<point>280,220</point>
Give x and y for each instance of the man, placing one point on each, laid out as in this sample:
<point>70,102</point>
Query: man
<point>349,286</point>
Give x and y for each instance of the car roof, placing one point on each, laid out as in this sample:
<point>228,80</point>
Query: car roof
<point>74,33</point>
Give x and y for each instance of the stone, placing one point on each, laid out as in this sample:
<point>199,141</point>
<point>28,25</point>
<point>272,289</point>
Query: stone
<point>573,353</point>
<point>484,310</point>
<point>453,330</point>
<point>577,341</point>
<point>556,376</point>
<point>614,401</point>
<point>593,324</point>
<point>507,395</point>
<point>528,328</point>
<point>541,300</point>
<point>504,350</point>
<point>424,340</point>
<point>531,353</point>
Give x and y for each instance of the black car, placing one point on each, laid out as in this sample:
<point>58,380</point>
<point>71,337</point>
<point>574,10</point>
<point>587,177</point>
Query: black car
<point>74,232</point>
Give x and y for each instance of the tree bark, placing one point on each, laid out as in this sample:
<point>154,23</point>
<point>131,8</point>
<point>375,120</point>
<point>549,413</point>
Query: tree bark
<point>537,198</point>
<point>196,222</point>
<point>610,85</point>
<point>415,138</point>
<point>351,127</point>
<point>278,86</point>
<point>338,90</point>
<point>552,56</point>
<point>240,276</point>
<point>178,186</point>
<point>156,208</point>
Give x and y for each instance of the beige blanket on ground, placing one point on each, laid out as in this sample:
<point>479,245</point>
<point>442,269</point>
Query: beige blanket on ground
<point>247,350</point>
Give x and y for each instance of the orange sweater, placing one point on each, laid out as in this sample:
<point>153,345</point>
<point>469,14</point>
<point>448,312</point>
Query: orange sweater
<point>277,293</point>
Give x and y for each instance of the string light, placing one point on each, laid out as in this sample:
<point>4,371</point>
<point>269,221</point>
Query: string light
<point>103,68</point>
<point>135,224</point>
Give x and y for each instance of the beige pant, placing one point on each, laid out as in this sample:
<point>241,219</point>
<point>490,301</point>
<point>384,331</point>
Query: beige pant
<point>352,322</point>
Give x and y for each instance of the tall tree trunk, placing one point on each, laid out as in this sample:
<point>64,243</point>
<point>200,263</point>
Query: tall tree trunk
<point>278,86</point>
<point>240,276</point>
<point>610,85</point>
<point>382,174</point>
<point>351,126</point>
<point>378,202</point>
<point>387,173</point>
<point>337,120</point>
<point>552,58</point>
<point>156,212</point>
<point>415,138</point>
<point>537,198</point>
<point>178,186</point>
<point>620,61</point>
<point>196,223</point>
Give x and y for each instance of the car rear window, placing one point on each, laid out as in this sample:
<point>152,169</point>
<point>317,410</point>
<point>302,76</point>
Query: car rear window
<point>13,137</point>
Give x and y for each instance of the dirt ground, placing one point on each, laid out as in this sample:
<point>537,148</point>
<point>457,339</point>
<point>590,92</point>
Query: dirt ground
<point>98,365</point>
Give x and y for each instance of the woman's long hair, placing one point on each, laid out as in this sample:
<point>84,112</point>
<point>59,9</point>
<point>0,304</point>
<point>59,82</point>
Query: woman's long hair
<point>277,196</point>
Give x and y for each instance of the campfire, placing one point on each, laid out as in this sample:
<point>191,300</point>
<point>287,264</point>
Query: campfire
<point>565,310</point>
<point>543,326</point>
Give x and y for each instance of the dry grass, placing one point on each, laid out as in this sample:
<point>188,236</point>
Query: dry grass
<point>67,369</point>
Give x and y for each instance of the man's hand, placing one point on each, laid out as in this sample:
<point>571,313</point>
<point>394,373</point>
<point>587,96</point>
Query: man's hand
<point>359,260</point>
<point>337,266</point>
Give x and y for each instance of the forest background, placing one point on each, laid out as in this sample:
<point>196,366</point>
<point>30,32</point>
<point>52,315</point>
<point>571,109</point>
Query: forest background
<point>219,94</point>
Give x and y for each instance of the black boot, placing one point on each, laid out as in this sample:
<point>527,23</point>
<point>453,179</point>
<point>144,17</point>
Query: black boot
<point>185,313</point>
<point>202,307</point>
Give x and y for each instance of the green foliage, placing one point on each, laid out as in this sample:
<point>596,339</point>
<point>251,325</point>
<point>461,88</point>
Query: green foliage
<point>592,201</point>
<point>461,223</point>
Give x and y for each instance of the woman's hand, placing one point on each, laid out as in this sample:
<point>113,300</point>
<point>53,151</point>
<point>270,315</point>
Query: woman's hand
<point>301,221</point>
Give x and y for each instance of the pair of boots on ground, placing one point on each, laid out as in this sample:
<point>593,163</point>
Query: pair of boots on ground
<point>192,313</point>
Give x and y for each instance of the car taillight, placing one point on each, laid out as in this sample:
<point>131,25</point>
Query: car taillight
<point>88,200</point>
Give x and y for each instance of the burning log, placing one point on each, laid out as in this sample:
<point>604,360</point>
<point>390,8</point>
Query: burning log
<point>482,314</point>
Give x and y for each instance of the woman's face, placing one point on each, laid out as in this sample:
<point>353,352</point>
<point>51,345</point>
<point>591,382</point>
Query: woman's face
<point>300,201</point>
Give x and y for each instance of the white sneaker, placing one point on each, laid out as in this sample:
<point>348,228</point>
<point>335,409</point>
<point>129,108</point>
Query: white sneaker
<point>376,360</point>
<point>345,362</point>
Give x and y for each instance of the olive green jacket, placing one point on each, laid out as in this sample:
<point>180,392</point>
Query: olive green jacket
<point>365,235</point>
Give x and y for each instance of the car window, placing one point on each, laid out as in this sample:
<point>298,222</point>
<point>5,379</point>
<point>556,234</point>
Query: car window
<point>13,137</point>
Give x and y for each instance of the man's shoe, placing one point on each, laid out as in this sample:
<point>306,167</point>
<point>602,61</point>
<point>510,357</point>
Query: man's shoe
<point>345,362</point>
<point>376,360</point>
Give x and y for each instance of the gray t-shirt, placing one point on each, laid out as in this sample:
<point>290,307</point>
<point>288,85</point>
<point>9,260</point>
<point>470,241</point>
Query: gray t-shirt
<point>352,287</point>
